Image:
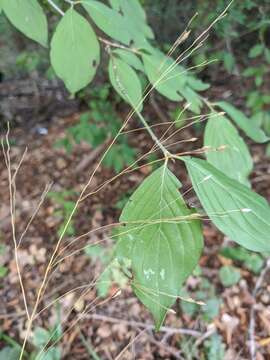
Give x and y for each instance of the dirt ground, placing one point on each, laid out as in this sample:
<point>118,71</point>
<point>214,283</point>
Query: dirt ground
<point>116,326</point>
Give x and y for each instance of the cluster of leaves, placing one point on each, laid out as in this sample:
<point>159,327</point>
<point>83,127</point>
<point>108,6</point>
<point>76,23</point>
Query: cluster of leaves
<point>75,49</point>
<point>169,233</point>
<point>96,126</point>
<point>159,235</point>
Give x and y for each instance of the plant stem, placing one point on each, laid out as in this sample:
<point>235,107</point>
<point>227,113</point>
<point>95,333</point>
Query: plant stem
<point>56,7</point>
<point>166,153</point>
<point>118,46</point>
<point>88,347</point>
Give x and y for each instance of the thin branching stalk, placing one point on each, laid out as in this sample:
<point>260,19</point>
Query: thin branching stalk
<point>56,7</point>
<point>11,182</point>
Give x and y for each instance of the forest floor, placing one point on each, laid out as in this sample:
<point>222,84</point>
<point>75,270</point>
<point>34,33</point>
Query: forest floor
<point>117,325</point>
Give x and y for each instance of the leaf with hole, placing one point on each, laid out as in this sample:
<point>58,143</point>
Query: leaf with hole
<point>132,8</point>
<point>237,211</point>
<point>108,20</point>
<point>117,24</point>
<point>163,240</point>
<point>28,17</point>
<point>245,124</point>
<point>126,82</point>
<point>228,151</point>
<point>75,51</point>
<point>133,13</point>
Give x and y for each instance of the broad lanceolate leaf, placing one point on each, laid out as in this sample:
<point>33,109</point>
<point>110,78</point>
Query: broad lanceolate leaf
<point>163,240</point>
<point>245,124</point>
<point>126,82</point>
<point>132,7</point>
<point>167,80</point>
<point>119,25</point>
<point>133,13</point>
<point>28,17</point>
<point>130,58</point>
<point>108,20</point>
<point>172,80</point>
<point>74,51</point>
<point>228,151</point>
<point>238,212</point>
<point>197,84</point>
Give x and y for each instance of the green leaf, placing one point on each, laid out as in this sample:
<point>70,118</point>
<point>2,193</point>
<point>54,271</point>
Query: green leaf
<point>126,82</point>
<point>172,80</point>
<point>104,283</point>
<point>132,8</point>
<point>267,55</point>
<point>28,17</point>
<point>258,80</point>
<point>9,353</point>
<point>130,58</point>
<point>74,51</point>
<point>211,309</point>
<point>228,152</point>
<point>41,337</point>
<point>134,14</point>
<point>119,25</point>
<point>197,84</point>
<point>95,252</point>
<point>229,276</point>
<point>252,261</point>
<point>250,71</point>
<point>108,20</point>
<point>235,253</point>
<point>53,353</point>
<point>243,122</point>
<point>215,348</point>
<point>238,212</point>
<point>167,79</point>
<point>229,61</point>
<point>163,240</point>
<point>256,51</point>
<point>3,271</point>
<point>193,99</point>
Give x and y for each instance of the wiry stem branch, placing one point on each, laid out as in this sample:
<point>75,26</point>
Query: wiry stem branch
<point>11,181</point>
<point>56,7</point>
